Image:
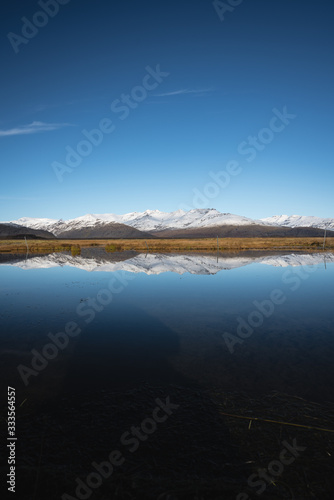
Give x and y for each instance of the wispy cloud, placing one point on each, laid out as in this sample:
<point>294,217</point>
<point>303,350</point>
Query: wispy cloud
<point>184,91</point>
<point>33,128</point>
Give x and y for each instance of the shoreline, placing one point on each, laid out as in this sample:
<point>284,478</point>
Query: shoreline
<point>182,245</point>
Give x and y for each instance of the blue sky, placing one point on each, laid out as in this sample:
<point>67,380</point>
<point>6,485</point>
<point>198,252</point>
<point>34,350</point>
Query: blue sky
<point>225,78</point>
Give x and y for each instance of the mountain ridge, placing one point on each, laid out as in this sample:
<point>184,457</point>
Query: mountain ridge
<point>15,231</point>
<point>300,221</point>
<point>179,223</point>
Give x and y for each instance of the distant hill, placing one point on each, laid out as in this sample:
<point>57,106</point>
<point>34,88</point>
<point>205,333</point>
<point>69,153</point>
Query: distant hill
<point>104,230</point>
<point>254,231</point>
<point>14,231</point>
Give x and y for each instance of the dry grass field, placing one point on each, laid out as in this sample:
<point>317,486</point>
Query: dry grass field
<point>167,245</point>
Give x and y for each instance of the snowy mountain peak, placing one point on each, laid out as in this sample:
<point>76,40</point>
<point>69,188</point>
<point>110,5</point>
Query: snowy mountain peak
<point>153,212</point>
<point>86,217</point>
<point>300,221</point>
<point>155,220</point>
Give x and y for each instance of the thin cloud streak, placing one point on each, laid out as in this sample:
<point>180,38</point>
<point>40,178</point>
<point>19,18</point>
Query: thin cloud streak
<point>184,92</point>
<point>33,128</point>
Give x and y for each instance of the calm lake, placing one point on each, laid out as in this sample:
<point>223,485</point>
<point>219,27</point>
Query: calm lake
<point>254,323</point>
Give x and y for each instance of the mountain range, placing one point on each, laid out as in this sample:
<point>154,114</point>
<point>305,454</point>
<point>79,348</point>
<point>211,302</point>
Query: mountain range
<point>196,223</point>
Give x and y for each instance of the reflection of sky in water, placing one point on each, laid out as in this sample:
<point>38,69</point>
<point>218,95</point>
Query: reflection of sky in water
<point>182,318</point>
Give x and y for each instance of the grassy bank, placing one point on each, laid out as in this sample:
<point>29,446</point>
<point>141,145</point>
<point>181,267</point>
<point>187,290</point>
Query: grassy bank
<point>167,245</point>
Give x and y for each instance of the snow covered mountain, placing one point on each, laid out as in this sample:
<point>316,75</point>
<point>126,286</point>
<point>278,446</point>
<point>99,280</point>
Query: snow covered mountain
<point>300,221</point>
<point>157,221</point>
<point>150,220</point>
<point>52,225</point>
<point>15,231</point>
<point>154,220</point>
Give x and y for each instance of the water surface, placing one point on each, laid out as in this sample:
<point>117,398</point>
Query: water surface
<point>171,319</point>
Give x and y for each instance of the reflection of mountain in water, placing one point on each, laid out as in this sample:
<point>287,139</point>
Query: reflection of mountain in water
<point>162,263</point>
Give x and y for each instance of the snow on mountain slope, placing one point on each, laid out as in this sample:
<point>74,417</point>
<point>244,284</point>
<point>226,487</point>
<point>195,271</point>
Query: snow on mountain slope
<point>35,223</point>
<point>300,221</point>
<point>57,227</point>
<point>154,220</point>
<point>197,218</point>
<point>52,225</point>
<point>150,220</point>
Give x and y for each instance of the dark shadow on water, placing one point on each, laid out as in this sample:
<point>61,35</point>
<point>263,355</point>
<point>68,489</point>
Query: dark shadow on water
<point>122,350</point>
<point>117,372</point>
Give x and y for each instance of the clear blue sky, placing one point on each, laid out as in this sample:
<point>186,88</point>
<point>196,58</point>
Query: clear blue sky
<point>225,78</point>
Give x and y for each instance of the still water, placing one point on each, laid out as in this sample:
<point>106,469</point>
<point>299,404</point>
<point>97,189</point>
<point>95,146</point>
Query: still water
<point>248,323</point>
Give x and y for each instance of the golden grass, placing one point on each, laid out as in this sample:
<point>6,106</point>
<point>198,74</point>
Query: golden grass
<point>168,245</point>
